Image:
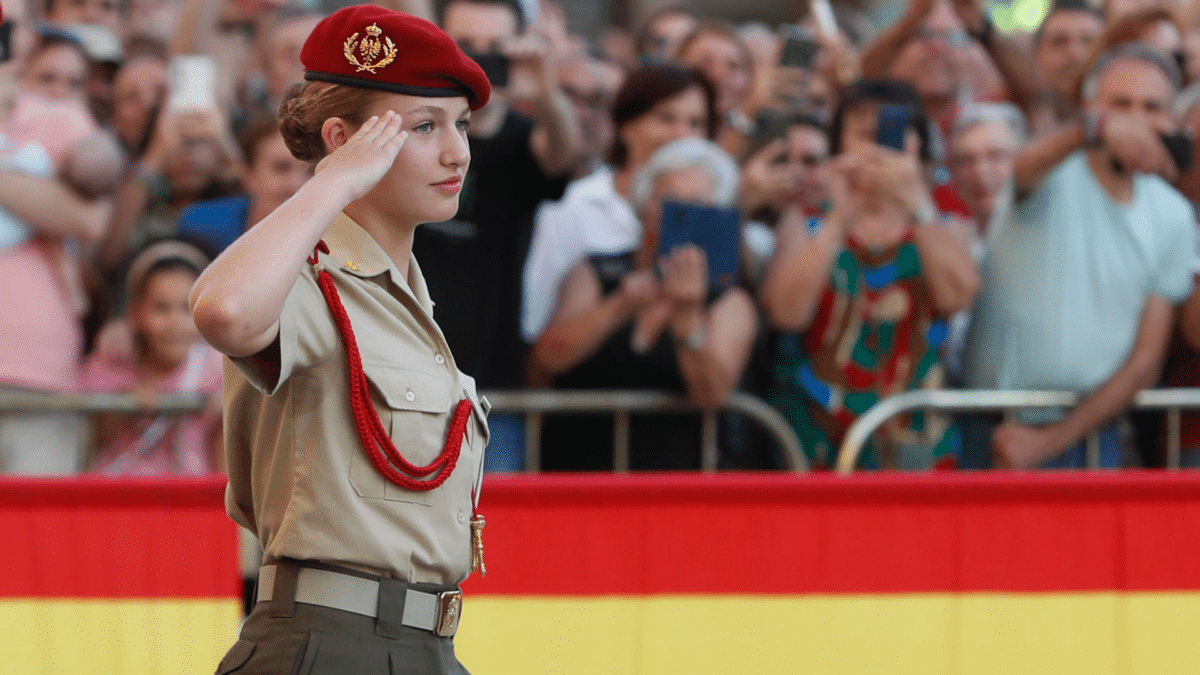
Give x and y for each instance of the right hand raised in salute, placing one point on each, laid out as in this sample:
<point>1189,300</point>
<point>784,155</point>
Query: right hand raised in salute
<point>364,159</point>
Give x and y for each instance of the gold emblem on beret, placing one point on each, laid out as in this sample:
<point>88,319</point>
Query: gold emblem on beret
<point>370,48</point>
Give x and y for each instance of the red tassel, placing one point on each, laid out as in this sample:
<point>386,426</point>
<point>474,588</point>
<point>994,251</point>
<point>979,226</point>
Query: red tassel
<point>376,441</point>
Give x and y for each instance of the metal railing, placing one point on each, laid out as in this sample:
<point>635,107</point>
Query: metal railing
<point>1173,401</point>
<point>622,403</point>
<point>13,400</point>
<point>532,403</point>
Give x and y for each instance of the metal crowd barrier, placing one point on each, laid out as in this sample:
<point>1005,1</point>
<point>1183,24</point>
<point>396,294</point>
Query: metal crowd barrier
<point>532,403</point>
<point>1171,400</point>
<point>13,400</point>
<point>622,403</point>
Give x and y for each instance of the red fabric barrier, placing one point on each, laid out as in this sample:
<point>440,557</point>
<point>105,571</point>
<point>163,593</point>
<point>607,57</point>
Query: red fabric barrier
<point>881,533</point>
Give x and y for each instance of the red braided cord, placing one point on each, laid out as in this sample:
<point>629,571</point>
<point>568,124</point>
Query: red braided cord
<point>375,439</point>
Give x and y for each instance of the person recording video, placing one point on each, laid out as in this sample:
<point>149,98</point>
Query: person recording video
<point>873,280</point>
<point>645,318</point>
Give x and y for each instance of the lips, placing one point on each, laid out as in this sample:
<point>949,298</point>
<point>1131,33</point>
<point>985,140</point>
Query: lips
<point>450,184</point>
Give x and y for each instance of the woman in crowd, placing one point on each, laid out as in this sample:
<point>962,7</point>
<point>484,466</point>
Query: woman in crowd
<point>655,105</point>
<point>170,358</point>
<point>630,320</point>
<point>191,156</point>
<point>863,293</point>
<point>272,176</point>
<point>354,443</point>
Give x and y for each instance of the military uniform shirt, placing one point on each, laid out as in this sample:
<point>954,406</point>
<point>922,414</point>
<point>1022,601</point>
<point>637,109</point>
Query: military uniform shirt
<point>298,475</point>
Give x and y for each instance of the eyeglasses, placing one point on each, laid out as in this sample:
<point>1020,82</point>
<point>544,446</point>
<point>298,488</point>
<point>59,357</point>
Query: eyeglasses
<point>955,37</point>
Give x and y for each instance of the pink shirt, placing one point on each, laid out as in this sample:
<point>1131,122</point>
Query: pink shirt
<point>40,337</point>
<point>152,446</point>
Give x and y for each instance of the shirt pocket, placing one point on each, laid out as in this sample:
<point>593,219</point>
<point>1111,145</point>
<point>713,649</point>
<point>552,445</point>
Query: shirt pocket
<point>414,407</point>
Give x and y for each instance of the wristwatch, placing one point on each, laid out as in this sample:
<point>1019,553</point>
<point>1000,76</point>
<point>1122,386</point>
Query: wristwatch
<point>925,213</point>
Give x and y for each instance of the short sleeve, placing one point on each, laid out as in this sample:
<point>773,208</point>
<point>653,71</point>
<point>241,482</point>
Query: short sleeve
<point>1178,260</point>
<point>307,336</point>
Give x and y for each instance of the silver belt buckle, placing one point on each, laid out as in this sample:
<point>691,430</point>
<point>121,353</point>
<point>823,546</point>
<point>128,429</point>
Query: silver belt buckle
<point>449,611</point>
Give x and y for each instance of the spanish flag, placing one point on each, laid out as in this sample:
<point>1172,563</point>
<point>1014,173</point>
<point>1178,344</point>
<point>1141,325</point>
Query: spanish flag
<point>116,577</point>
<point>889,573</point>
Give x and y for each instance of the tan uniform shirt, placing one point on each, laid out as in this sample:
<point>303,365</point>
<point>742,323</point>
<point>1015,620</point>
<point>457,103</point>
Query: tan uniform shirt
<point>298,475</point>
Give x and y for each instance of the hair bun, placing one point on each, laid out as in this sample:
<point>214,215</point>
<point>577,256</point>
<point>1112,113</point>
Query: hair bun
<point>304,143</point>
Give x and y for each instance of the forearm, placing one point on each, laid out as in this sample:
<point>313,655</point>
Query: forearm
<point>238,299</point>
<point>196,27</point>
<point>1189,319</point>
<point>570,341</point>
<point>560,145</point>
<point>1040,156</point>
<point>711,371</point>
<point>948,268</point>
<point>797,275</point>
<point>49,207</point>
<point>1105,403</point>
<point>1140,370</point>
<point>131,202</point>
<point>878,57</point>
<point>1017,68</point>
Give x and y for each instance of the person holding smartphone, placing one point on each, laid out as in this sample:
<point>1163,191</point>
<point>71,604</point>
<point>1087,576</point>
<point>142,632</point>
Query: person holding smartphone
<point>353,441</point>
<point>1083,280</point>
<point>636,319</point>
<point>861,295</point>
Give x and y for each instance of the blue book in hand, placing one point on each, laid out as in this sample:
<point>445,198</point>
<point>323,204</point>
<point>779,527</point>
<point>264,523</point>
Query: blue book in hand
<point>716,230</point>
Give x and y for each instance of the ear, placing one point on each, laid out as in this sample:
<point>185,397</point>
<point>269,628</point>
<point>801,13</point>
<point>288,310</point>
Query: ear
<point>335,132</point>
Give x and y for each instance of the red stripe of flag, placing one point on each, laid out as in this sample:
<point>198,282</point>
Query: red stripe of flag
<point>823,534</point>
<point>92,538</point>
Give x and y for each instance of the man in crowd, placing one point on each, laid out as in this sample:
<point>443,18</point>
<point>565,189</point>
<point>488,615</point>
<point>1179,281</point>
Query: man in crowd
<point>473,264</point>
<point>1080,284</point>
<point>986,139</point>
<point>1061,46</point>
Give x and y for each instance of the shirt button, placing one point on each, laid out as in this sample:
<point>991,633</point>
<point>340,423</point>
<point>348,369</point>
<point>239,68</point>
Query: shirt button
<point>410,396</point>
<point>462,516</point>
<point>439,358</point>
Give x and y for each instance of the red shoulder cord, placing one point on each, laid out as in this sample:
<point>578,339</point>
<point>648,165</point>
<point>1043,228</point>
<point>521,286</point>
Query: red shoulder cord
<point>375,439</point>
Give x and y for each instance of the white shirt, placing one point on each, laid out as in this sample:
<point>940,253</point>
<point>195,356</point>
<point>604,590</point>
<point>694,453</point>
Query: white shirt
<point>590,218</point>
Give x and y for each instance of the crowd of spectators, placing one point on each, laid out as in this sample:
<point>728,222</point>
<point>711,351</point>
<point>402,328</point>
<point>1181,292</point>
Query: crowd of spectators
<point>937,203</point>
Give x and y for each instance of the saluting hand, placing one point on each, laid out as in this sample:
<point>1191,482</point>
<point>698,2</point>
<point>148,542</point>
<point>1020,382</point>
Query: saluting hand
<point>367,155</point>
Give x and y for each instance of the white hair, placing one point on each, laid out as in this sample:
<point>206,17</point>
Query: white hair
<point>1130,51</point>
<point>989,113</point>
<point>689,153</point>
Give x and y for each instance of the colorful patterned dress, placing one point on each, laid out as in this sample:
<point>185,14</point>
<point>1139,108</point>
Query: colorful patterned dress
<point>874,334</point>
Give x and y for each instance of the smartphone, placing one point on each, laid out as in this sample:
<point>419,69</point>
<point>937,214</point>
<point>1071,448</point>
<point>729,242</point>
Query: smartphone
<point>799,51</point>
<point>6,32</point>
<point>192,83</point>
<point>1179,146</point>
<point>894,123</point>
<point>716,230</point>
<point>495,66</point>
<point>769,124</point>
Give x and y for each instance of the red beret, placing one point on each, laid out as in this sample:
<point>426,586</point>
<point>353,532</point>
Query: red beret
<point>375,48</point>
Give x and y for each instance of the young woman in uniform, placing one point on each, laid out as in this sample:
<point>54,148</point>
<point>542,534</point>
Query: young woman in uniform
<point>354,444</point>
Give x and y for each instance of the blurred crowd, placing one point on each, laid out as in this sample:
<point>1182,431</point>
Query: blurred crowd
<point>816,213</point>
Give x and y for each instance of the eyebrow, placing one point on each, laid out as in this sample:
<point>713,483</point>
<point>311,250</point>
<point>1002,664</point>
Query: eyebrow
<point>436,110</point>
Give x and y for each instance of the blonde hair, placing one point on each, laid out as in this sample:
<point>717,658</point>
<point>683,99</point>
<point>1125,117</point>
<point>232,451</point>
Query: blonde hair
<point>306,107</point>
